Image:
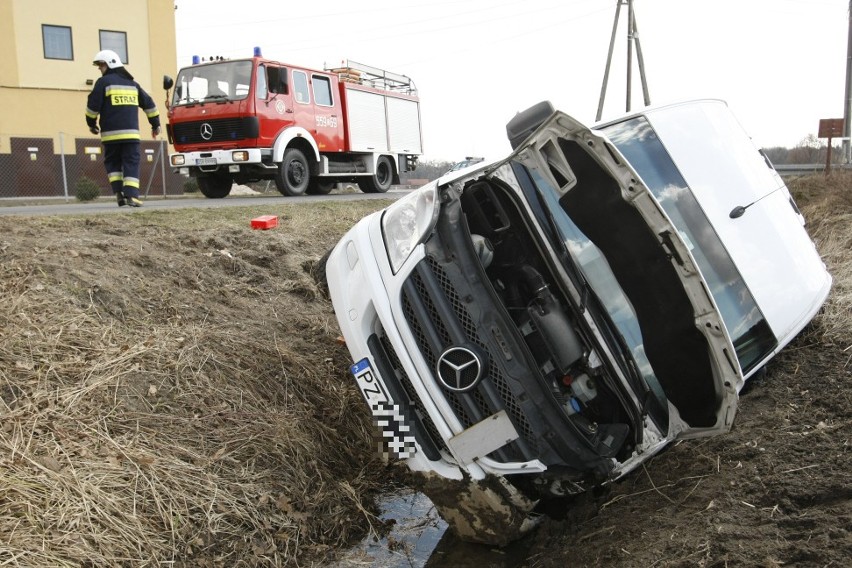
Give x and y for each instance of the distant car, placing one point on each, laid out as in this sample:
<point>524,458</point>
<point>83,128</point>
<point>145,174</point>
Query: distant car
<point>468,161</point>
<point>536,326</point>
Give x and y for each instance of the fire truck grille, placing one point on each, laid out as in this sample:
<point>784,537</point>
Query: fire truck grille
<point>201,131</point>
<point>436,315</point>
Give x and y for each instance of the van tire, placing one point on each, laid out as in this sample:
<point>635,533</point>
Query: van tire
<point>380,181</point>
<point>293,173</point>
<point>215,186</point>
<point>318,273</point>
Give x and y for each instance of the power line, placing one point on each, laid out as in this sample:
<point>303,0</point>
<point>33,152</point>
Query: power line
<point>396,30</point>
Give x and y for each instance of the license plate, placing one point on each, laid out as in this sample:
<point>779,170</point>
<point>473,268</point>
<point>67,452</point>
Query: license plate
<point>373,391</point>
<point>205,161</point>
<point>396,432</point>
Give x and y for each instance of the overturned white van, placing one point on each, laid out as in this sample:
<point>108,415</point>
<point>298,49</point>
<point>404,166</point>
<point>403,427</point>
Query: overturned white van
<point>543,324</point>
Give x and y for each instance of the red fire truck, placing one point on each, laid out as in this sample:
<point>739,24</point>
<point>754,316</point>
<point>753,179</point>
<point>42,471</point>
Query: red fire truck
<point>246,120</point>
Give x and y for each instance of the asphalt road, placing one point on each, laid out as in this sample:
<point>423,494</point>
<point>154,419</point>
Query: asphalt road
<point>158,203</point>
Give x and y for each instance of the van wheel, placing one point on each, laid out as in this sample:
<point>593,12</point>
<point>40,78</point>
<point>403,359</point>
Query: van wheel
<point>381,181</point>
<point>215,186</point>
<point>293,173</point>
<point>317,272</point>
<point>320,186</point>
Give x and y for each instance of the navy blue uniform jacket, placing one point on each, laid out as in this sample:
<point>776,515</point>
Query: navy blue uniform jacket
<point>117,100</point>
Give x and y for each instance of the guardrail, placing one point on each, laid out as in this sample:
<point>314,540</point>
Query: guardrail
<point>791,170</point>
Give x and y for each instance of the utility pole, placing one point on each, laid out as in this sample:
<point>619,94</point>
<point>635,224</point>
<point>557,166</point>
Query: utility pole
<point>632,38</point>
<point>847,108</point>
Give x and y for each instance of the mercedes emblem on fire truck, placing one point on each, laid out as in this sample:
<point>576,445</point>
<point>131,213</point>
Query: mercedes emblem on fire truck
<point>459,369</point>
<point>206,131</point>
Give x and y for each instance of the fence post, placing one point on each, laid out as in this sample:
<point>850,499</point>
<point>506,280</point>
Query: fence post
<point>62,156</point>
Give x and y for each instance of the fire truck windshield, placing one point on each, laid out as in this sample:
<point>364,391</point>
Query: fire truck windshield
<point>220,81</point>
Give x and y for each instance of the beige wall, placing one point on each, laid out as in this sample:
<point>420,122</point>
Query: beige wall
<point>42,97</point>
<point>9,62</point>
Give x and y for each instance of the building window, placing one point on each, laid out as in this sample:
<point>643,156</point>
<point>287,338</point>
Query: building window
<point>116,41</point>
<point>57,42</point>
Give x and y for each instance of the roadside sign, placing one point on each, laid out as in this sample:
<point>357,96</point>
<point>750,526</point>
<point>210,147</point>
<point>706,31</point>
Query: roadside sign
<point>830,128</point>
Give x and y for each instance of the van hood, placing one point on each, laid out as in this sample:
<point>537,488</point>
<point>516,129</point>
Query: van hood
<point>578,172</point>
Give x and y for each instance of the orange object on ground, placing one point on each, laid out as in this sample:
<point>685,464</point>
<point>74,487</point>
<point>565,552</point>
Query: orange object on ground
<point>264,222</point>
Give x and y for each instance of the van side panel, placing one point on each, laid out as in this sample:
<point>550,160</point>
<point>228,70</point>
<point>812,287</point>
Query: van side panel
<point>724,169</point>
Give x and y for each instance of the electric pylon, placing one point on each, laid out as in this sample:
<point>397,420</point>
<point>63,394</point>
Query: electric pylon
<point>632,37</point>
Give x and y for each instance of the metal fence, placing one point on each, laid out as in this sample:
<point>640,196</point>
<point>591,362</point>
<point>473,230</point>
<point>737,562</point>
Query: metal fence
<point>39,167</point>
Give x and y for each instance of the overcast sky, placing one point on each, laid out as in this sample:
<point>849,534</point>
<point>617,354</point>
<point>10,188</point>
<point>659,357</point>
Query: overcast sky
<point>780,64</point>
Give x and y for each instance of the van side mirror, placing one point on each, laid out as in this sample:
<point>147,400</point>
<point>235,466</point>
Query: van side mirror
<point>525,122</point>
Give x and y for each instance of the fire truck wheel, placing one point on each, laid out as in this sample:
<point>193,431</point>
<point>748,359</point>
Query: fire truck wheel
<point>381,181</point>
<point>293,173</point>
<point>215,186</point>
<point>320,186</point>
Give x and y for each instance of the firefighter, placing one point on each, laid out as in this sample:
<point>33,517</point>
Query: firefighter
<point>116,97</point>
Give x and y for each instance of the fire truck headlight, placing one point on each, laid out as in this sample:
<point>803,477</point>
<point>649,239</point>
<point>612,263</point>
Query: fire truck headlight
<point>240,156</point>
<point>407,222</point>
<point>178,160</point>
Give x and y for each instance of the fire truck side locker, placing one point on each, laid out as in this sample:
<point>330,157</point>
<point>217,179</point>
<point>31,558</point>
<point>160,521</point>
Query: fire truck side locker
<point>381,122</point>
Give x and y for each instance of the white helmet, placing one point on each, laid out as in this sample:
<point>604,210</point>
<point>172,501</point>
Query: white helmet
<point>109,57</point>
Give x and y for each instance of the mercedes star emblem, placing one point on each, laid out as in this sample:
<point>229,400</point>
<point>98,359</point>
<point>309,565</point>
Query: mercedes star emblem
<point>206,131</point>
<point>459,369</point>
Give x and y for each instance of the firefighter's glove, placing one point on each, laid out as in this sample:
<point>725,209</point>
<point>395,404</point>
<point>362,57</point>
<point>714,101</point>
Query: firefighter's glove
<point>94,130</point>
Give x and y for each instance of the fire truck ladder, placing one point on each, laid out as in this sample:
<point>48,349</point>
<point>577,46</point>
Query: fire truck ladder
<point>354,72</point>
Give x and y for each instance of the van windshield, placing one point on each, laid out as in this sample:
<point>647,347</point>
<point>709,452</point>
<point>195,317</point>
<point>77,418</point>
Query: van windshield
<point>223,81</point>
<point>750,333</point>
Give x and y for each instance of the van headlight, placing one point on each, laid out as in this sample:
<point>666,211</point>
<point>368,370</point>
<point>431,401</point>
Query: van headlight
<point>407,222</point>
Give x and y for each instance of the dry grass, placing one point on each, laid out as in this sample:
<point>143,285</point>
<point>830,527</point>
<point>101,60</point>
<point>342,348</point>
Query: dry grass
<point>172,392</point>
<point>185,406</point>
<point>826,204</point>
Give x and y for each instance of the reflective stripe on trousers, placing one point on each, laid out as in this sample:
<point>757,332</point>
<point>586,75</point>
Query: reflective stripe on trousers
<point>123,157</point>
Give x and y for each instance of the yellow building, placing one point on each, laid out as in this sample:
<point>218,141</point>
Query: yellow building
<point>46,70</point>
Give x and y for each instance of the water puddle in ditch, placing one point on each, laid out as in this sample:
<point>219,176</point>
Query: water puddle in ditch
<point>419,539</point>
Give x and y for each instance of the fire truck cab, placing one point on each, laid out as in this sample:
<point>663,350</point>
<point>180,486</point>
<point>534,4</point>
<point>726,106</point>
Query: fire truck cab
<point>246,120</point>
